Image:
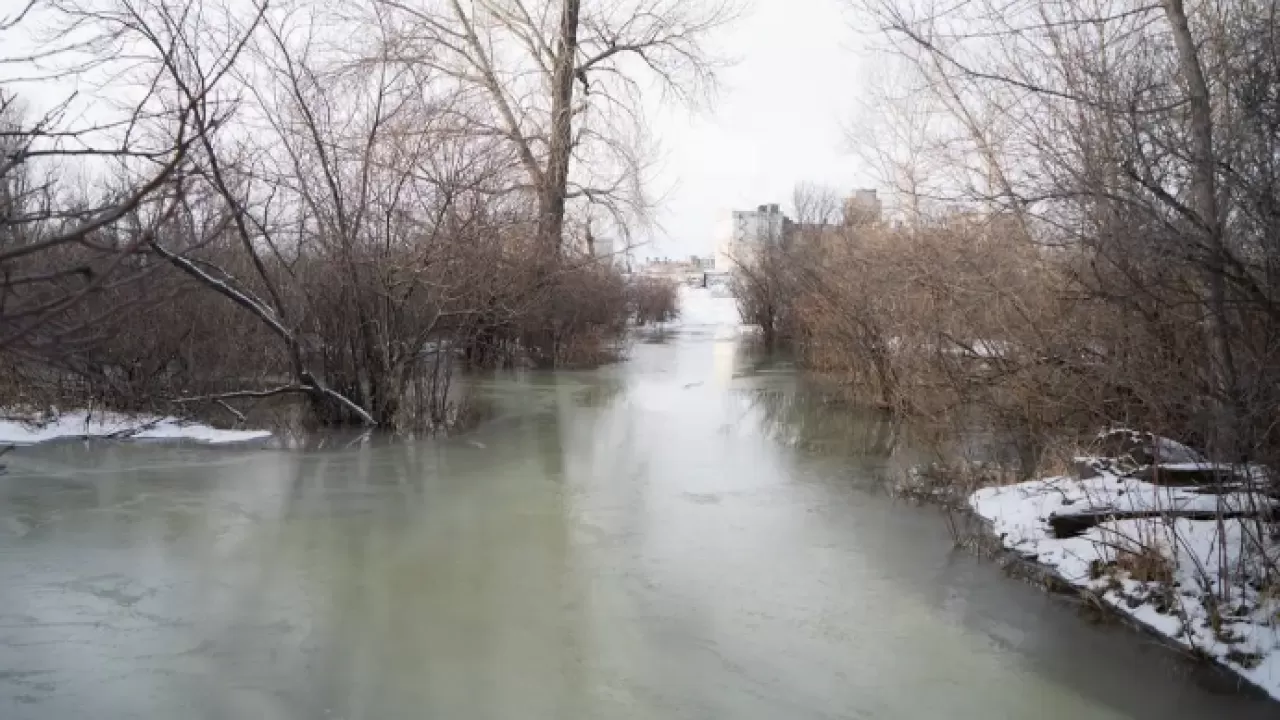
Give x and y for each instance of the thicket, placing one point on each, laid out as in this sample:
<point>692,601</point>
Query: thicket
<point>654,300</point>
<point>1083,230</point>
<point>342,204</point>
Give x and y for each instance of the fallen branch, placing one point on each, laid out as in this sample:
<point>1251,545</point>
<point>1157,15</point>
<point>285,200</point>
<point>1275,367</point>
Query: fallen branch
<point>318,387</point>
<point>227,406</point>
<point>240,394</point>
<point>271,318</point>
<point>1076,524</point>
<point>131,431</point>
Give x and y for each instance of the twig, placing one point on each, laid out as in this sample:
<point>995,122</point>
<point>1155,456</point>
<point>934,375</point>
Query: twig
<point>257,394</point>
<point>226,406</point>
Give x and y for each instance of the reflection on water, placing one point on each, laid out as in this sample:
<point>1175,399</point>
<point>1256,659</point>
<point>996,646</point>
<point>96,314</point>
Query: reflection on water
<point>680,536</point>
<point>818,420</point>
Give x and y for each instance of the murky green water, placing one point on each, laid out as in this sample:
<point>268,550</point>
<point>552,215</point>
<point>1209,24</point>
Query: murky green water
<point>674,537</point>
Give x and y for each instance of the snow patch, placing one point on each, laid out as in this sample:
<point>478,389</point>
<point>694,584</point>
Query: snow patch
<point>28,429</point>
<point>1161,449</point>
<point>1030,502</point>
<point>1211,601</point>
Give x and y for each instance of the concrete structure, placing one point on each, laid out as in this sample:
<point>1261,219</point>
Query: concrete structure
<point>691,271</point>
<point>750,231</point>
<point>766,225</point>
<point>817,235</point>
<point>605,250</point>
<point>716,279</point>
<point>863,208</point>
<point>611,251</point>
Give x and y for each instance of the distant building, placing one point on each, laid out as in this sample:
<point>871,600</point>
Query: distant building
<point>817,235</point>
<point>690,271</point>
<point>751,231</point>
<point>605,250</point>
<point>766,225</point>
<point>998,224</point>
<point>864,208</point>
<point>667,267</point>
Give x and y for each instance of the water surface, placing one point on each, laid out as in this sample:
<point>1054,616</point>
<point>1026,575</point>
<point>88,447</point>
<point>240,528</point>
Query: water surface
<point>680,536</point>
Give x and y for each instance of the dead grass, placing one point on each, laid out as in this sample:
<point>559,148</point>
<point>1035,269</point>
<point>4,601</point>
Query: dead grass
<point>1145,564</point>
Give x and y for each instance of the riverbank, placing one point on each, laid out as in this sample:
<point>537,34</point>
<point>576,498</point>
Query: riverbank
<point>26,428</point>
<point>1191,566</point>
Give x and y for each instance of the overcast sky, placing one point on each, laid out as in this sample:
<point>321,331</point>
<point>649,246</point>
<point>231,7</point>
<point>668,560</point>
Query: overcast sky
<point>778,121</point>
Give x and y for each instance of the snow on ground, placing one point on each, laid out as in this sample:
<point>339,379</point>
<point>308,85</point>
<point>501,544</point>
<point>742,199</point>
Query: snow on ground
<point>1213,565</point>
<point>1029,502</point>
<point>28,430</point>
<point>1172,451</point>
<point>1162,450</point>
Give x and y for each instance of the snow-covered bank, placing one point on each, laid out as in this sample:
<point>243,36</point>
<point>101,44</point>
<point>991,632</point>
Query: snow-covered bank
<point>24,429</point>
<point>1199,583</point>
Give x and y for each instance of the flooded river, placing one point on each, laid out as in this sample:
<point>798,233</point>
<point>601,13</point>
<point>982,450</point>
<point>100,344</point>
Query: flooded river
<point>670,537</point>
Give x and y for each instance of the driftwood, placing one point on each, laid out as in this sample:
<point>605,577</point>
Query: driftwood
<point>1135,456</point>
<point>1071,525</point>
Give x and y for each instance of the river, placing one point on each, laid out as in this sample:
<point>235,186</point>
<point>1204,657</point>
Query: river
<point>669,537</point>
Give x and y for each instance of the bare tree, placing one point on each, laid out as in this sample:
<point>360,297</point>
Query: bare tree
<point>84,187</point>
<point>347,206</point>
<point>563,80</point>
<point>813,204</point>
<point>899,132</point>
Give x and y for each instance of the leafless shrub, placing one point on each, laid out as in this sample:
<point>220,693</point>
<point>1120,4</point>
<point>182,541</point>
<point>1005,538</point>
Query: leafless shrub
<point>1132,148</point>
<point>343,222</point>
<point>765,283</point>
<point>653,300</point>
<point>581,319</point>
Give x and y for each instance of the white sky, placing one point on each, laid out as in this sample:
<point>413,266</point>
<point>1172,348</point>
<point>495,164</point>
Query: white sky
<point>778,121</point>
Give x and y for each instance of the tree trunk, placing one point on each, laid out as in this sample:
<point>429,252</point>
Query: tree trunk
<point>551,196</point>
<point>1222,373</point>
